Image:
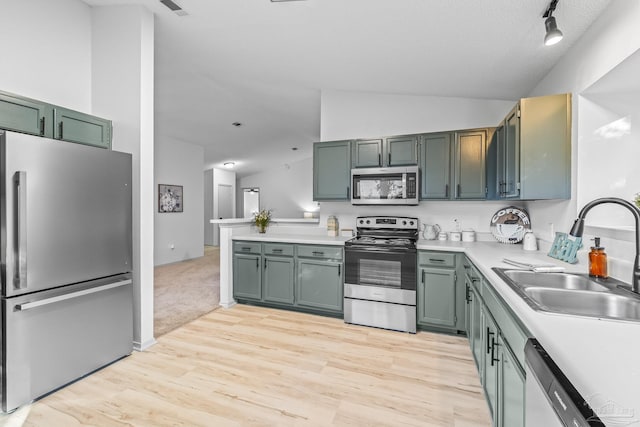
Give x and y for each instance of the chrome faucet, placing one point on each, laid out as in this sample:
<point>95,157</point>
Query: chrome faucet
<point>578,227</point>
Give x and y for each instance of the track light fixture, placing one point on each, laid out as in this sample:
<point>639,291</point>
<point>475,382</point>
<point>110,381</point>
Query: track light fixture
<point>553,34</point>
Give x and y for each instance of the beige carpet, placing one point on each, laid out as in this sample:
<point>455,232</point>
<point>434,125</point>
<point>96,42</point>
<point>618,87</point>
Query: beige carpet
<point>184,291</point>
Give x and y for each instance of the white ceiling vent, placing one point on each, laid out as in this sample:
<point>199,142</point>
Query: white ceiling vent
<point>174,7</point>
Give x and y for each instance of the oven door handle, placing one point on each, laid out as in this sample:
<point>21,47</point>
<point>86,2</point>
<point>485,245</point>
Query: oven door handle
<point>371,248</point>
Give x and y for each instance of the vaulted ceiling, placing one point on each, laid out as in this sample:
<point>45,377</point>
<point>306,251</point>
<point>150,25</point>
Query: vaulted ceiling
<point>264,64</point>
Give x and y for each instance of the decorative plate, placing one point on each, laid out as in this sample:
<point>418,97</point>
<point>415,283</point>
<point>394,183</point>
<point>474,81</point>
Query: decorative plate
<point>508,225</point>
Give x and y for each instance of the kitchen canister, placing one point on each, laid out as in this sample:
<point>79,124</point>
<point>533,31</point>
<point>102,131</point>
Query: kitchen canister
<point>455,236</point>
<point>332,226</point>
<point>442,235</point>
<point>468,235</point>
<point>529,241</point>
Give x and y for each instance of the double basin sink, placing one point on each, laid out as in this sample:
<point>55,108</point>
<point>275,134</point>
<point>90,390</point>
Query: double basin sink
<point>574,294</point>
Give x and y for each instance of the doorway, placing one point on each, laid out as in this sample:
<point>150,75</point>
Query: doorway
<point>250,202</point>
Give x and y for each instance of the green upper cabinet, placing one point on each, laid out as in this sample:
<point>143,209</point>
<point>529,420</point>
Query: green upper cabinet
<point>81,128</point>
<point>470,172</point>
<point>24,115</point>
<point>391,151</point>
<point>367,153</point>
<point>533,156</point>
<point>331,170</point>
<point>38,118</point>
<point>435,160</point>
<point>401,150</point>
<point>452,165</point>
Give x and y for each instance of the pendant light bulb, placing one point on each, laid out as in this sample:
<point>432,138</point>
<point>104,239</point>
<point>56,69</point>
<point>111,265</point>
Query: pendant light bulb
<point>554,35</point>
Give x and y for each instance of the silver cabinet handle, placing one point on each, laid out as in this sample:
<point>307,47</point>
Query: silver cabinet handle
<point>20,242</point>
<point>52,300</point>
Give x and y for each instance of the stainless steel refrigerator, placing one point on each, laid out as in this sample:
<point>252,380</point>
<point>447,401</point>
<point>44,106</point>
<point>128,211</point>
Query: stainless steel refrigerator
<point>65,243</point>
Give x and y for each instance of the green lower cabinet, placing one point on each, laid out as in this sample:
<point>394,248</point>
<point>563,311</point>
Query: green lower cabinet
<point>81,128</point>
<point>247,276</point>
<point>490,365</point>
<point>320,285</point>
<point>278,279</point>
<point>437,297</point>
<point>511,388</point>
<point>476,327</point>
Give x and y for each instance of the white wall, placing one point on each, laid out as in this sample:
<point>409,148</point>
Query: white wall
<point>122,87</point>
<point>208,207</point>
<point>287,191</point>
<point>69,54</point>
<point>222,177</point>
<point>359,115</point>
<point>347,115</point>
<point>612,38</point>
<point>46,51</point>
<point>180,163</point>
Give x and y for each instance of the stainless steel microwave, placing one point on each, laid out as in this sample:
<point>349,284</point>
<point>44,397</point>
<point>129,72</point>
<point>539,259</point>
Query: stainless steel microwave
<point>385,186</point>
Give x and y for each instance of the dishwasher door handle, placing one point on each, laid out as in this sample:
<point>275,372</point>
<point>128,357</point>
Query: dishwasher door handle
<point>29,305</point>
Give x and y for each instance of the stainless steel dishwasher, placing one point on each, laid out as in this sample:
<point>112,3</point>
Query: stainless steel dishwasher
<point>551,400</point>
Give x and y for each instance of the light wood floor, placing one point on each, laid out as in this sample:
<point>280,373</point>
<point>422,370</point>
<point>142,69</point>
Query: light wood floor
<point>258,366</point>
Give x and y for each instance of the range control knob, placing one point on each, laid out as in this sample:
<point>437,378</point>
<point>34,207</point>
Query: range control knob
<point>362,221</point>
<point>410,222</point>
<point>404,222</point>
<point>368,222</point>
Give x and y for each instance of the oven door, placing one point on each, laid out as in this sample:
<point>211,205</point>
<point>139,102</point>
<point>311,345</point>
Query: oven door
<point>387,267</point>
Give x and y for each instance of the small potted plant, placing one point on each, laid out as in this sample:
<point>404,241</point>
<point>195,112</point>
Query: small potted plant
<point>262,219</point>
<point>637,200</point>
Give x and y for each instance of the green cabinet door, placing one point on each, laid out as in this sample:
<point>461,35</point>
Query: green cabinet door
<point>247,274</point>
<point>491,359</point>
<point>437,296</point>
<point>319,285</point>
<point>24,115</point>
<point>476,330</point>
<point>470,157</point>
<point>367,153</point>
<point>278,279</point>
<point>511,155</point>
<point>511,389</point>
<point>435,160</point>
<point>401,150</point>
<point>331,170</point>
<point>81,128</point>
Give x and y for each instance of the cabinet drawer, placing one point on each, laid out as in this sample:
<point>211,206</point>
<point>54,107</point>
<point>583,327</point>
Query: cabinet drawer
<point>247,247</point>
<point>437,259</point>
<point>509,326</point>
<point>331,252</point>
<point>277,249</point>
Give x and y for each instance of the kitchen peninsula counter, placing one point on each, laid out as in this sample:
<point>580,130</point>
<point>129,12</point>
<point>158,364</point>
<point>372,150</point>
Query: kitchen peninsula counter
<point>599,356</point>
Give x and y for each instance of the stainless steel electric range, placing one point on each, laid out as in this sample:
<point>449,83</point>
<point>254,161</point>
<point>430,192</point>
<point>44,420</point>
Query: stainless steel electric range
<point>380,273</point>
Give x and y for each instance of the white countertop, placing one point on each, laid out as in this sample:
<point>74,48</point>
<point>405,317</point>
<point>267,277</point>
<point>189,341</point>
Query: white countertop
<point>227,221</point>
<point>600,357</point>
<point>293,238</point>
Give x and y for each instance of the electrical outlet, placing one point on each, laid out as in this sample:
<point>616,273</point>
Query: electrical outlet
<point>172,246</point>
<point>552,231</point>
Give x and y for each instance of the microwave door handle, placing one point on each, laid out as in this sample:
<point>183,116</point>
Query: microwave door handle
<point>404,185</point>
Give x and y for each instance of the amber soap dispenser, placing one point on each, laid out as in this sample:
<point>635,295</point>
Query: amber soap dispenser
<point>598,261</point>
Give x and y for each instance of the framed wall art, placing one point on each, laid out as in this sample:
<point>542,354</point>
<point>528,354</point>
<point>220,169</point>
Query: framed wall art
<point>170,198</point>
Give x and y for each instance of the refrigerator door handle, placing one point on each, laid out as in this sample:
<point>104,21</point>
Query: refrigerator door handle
<point>52,300</point>
<point>20,242</point>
